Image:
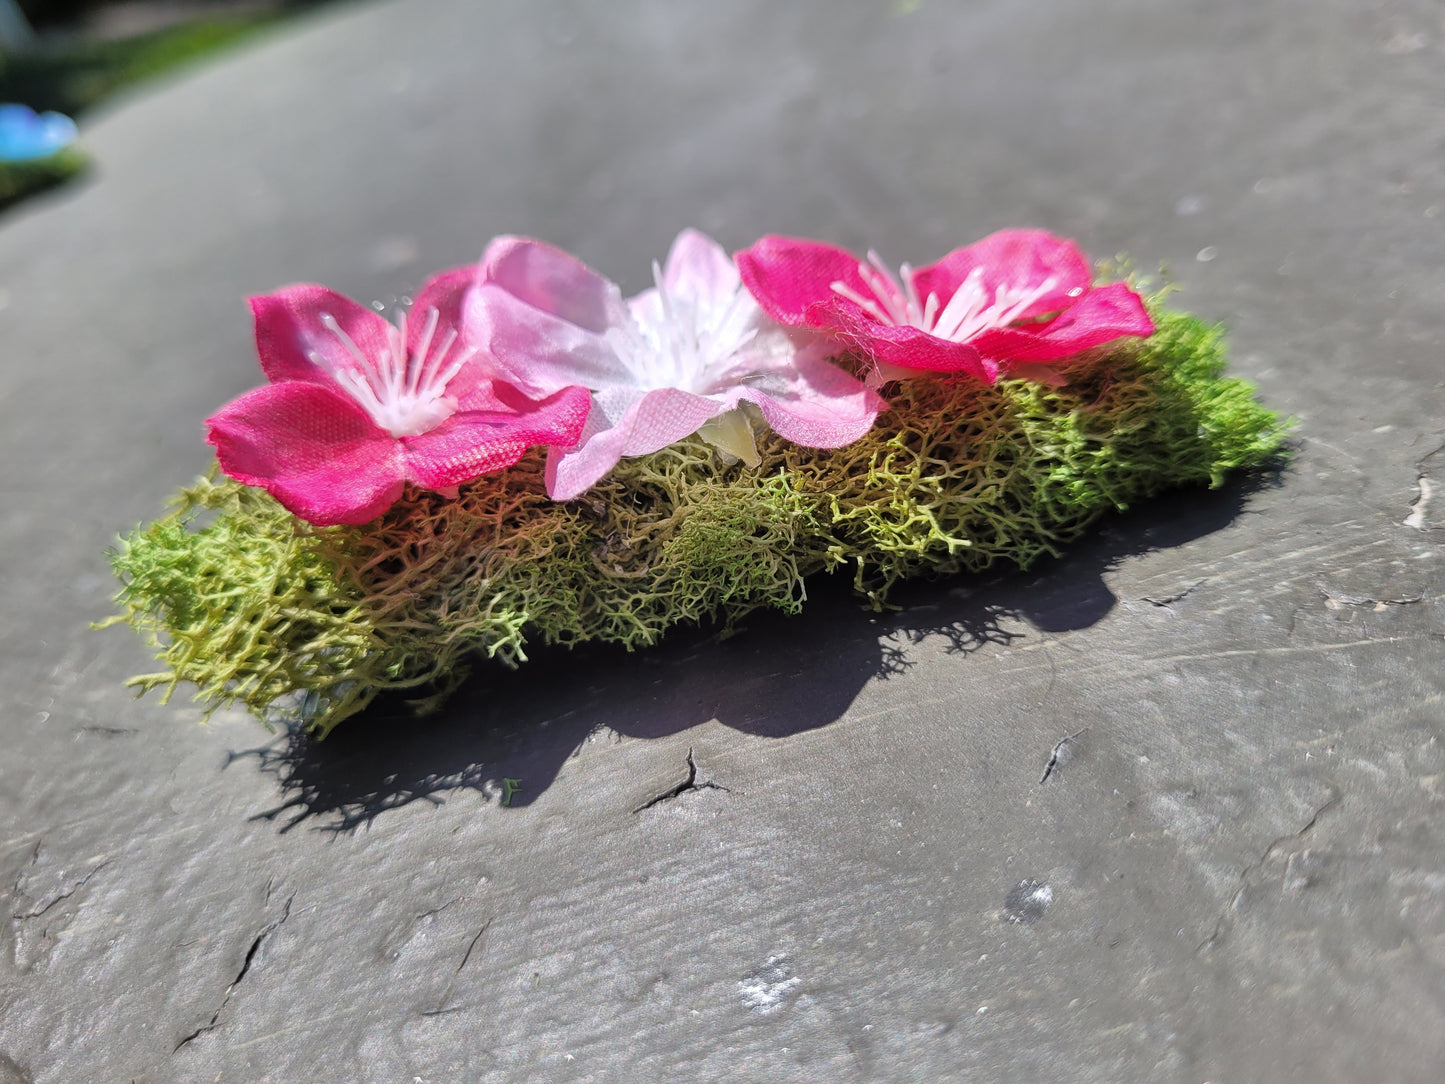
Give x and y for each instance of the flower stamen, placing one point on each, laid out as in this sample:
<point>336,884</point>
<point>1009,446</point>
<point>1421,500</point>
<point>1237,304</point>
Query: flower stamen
<point>403,391</point>
<point>968,313</point>
<point>684,343</point>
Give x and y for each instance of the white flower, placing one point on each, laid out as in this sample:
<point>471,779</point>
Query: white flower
<point>678,359</point>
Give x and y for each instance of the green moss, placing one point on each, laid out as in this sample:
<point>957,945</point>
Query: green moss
<point>246,607</point>
<point>250,605</point>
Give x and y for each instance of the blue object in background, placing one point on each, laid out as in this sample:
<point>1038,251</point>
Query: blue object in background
<point>26,135</point>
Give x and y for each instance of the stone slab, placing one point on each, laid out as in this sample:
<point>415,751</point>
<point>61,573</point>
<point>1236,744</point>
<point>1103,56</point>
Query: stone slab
<point>1237,870</point>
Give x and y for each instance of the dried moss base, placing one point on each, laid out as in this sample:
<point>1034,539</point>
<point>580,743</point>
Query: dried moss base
<point>249,604</point>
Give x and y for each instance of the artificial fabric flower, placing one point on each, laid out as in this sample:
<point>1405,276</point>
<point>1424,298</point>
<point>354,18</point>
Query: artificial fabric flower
<point>357,406</point>
<point>674,360</point>
<point>1008,302</point>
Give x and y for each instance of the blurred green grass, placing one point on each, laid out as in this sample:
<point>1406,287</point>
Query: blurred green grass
<point>21,179</point>
<point>71,74</point>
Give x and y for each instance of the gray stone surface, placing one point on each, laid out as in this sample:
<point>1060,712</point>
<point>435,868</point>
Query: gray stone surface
<point>1236,872</point>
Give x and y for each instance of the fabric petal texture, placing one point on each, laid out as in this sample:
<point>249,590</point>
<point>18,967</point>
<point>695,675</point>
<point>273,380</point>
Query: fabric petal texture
<point>1100,316</point>
<point>822,407</point>
<point>293,341</point>
<point>311,448</point>
<point>532,348</point>
<point>651,422</point>
<point>358,407</point>
<point>542,316</point>
<point>789,276</point>
<point>472,443</point>
<point>1012,299</point>
<point>551,281</point>
<point>445,293</point>
<point>661,365</point>
<point>699,269</point>
<point>912,348</point>
<point>1012,259</point>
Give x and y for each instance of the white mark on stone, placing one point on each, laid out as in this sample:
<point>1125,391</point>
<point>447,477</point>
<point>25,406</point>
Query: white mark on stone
<point>1027,901</point>
<point>1420,517</point>
<point>766,989</point>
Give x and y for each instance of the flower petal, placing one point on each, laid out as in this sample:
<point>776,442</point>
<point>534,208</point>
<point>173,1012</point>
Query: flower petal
<point>652,421</point>
<point>313,449</point>
<point>791,275</point>
<point>537,351</point>
<point>700,270</point>
<point>542,316</point>
<point>290,329</point>
<point>913,348</point>
<point>1015,260</point>
<point>474,442</point>
<point>552,281</point>
<point>821,407</point>
<point>662,417</point>
<point>1100,316</point>
<point>446,292</point>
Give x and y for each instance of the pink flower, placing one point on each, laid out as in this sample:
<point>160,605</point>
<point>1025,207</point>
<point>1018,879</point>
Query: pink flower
<point>357,407</point>
<point>1016,298</point>
<point>674,360</point>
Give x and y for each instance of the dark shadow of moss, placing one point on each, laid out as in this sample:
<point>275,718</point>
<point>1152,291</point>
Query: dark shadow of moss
<point>780,675</point>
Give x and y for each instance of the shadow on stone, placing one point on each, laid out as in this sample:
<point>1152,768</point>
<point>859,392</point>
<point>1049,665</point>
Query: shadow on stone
<point>776,676</point>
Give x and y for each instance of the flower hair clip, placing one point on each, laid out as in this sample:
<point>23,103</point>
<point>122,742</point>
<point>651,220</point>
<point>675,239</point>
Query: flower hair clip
<point>1002,305</point>
<point>681,358</point>
<point>357,408</point>
<point>524,456</point>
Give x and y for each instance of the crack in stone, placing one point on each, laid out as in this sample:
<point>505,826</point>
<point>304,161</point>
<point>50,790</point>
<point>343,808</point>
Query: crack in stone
<point>442,1008</point>
<point>1335,595</point>
<point>485,927</point>
<point>1059,747</point>
<point>437,910</point>
<point>1218,932</point>
<point>59,897</point>
<point>266,931</point>
<point>690,783</point>
<point>1168,600</point>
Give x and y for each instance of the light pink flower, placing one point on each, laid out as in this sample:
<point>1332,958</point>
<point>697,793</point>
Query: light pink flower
<point>674,360</point>
<point>357,406</point>
<point>1008,302</point>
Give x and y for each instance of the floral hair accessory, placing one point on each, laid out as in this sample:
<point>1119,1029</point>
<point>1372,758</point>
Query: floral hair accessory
<point>678,359</point>
<point>357,406</point>
<point>386,525</point>
<point>1006,303</point>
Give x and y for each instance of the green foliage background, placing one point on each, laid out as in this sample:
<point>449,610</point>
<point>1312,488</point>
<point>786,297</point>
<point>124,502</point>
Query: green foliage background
<point>70,73</point>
